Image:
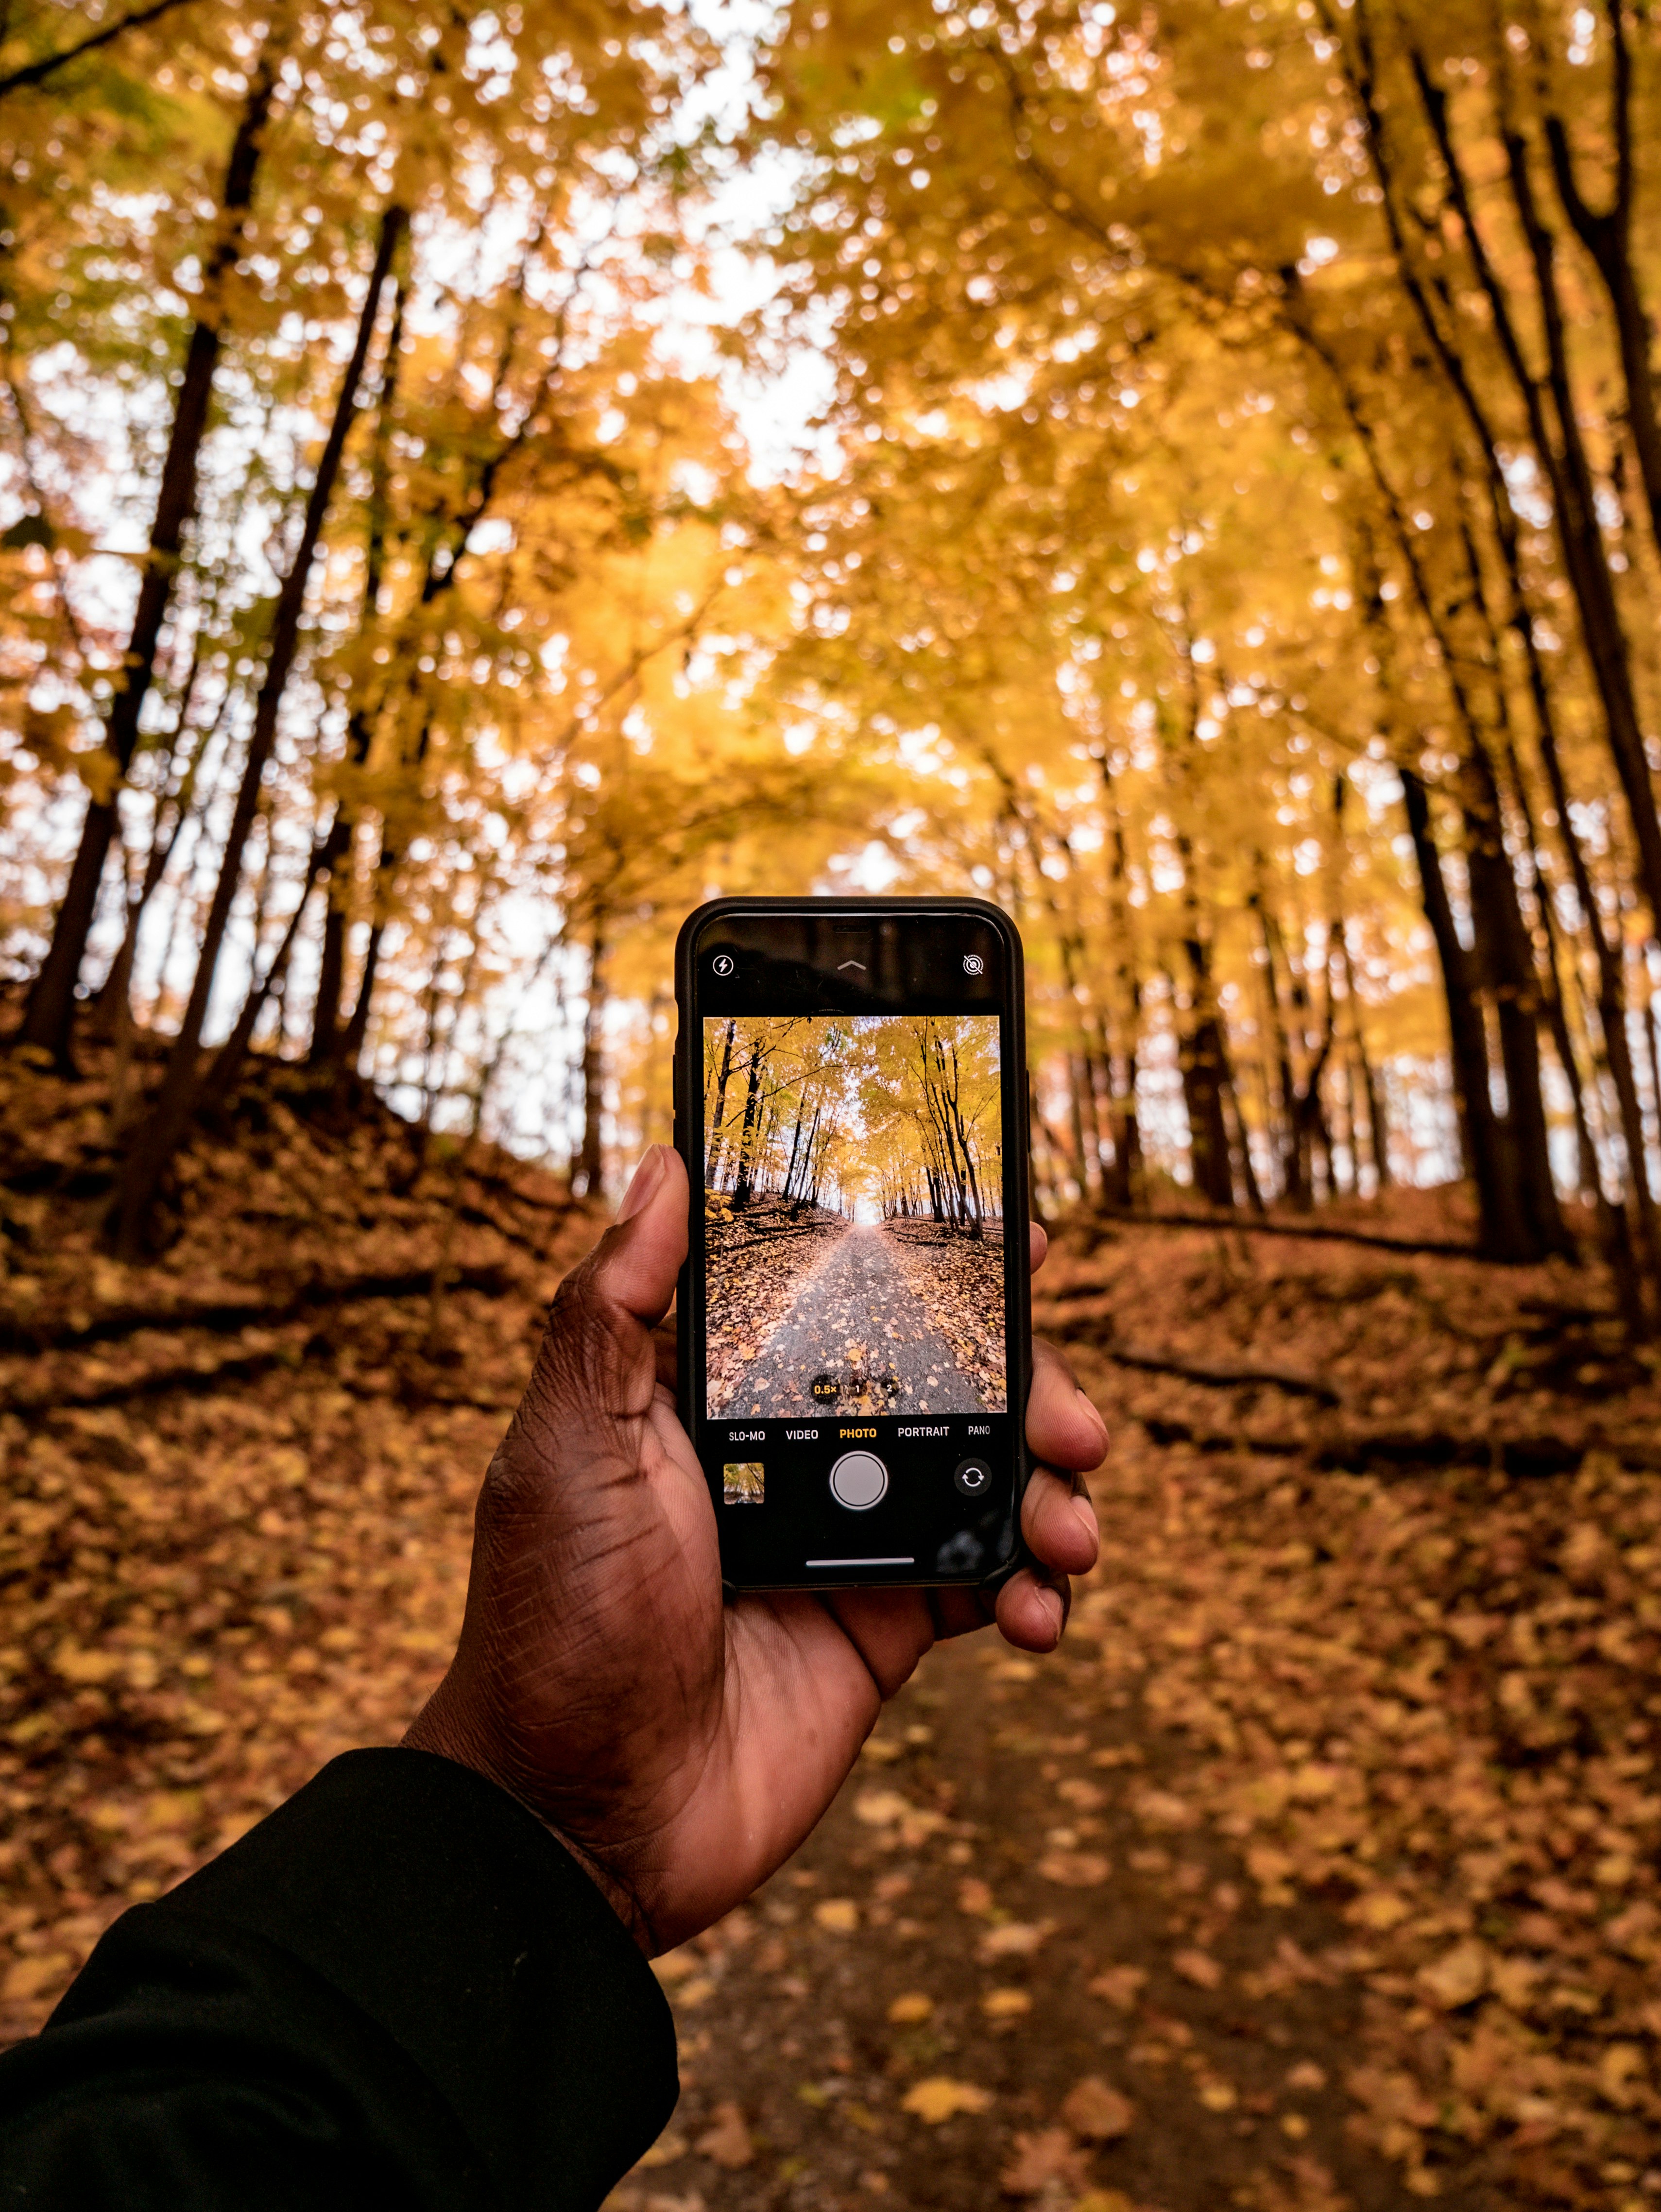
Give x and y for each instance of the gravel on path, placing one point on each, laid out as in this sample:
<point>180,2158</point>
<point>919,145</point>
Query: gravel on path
<point>856,1323</point>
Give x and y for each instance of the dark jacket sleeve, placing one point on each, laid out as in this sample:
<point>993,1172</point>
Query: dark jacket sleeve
<point>397,1990</point>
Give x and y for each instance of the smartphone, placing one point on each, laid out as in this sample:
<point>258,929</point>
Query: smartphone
<point>854,1334</point>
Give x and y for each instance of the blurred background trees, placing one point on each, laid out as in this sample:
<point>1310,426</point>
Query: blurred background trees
<point>1230,535</point>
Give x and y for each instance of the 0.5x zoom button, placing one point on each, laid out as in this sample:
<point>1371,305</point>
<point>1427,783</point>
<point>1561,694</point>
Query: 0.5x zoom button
<point>973,1477</point>
<point>859,1479</point>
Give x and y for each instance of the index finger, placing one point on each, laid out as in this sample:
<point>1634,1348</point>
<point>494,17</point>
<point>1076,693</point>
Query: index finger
<point>1063,1427</point>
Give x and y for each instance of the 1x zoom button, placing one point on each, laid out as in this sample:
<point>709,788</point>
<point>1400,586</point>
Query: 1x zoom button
<point>973,1477</point>
<point>859,1479</point>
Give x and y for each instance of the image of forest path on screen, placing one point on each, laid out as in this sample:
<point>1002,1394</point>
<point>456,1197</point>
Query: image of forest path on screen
<point>854,1215</point>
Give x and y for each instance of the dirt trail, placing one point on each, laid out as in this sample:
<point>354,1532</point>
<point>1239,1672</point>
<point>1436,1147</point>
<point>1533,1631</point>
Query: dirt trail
<point>857,1321</point>
<point>1014,1898</point>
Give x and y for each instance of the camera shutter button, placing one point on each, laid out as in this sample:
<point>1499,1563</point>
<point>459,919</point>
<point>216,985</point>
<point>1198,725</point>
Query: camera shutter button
<point>859,1479</point>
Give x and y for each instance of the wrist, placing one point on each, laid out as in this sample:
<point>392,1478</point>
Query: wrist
<point>441,1733</point>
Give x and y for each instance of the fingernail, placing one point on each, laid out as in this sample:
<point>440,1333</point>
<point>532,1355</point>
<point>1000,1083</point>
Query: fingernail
<point>1085,1513</point>
<point>1051,1602</point>
<point>1094,1415</point>
<point>646,1177</point>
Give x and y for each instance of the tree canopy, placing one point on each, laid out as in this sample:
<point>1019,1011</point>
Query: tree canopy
<point>1232,537</point>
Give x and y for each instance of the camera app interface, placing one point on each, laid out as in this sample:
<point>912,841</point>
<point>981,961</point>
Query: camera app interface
<point>855,1380</point>
<point>854,1180</point>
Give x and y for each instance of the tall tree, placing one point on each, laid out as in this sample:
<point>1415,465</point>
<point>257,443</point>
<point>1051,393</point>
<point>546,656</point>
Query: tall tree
<point>49,1015</point>
<point>154,1144</point>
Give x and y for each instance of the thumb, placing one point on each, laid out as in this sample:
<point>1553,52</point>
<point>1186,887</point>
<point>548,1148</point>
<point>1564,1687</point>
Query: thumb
<point>635,1263</point>
<point>596,1360</point>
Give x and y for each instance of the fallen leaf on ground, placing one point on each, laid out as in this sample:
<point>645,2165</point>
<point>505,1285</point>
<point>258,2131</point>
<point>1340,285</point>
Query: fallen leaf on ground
<point>1093,2109</point>
<point>1379,1910</point>
<point>1075,1869</point>
<point>1200,1968</point>
<point>1457,1978</point>
<point>1162,1808</point>
<point>727,2140</point>
<point>1042,2161</point>
<point>666,2150</point>
<point>27,1977</point>
<point>938,2097</point>
<point>1016,1939</point>
<point>906,2011</point>
<point>880,1808</point>
<point>1005,2004</point>
<point>1083,1796</point>
<point>1620,2074</point>
<point>1120,1985</point>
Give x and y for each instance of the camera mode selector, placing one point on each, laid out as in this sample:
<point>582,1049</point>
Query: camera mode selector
<point>973,1477</point>
<point>859,1479</point>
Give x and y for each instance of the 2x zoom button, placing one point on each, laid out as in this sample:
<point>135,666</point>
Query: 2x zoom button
<point>973,1477</point>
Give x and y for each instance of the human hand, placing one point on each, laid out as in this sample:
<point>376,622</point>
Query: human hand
<point>681,1744</point>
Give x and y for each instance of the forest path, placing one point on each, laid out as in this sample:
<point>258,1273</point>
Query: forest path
<point>857,1321</point>
<point>1256,1895</point>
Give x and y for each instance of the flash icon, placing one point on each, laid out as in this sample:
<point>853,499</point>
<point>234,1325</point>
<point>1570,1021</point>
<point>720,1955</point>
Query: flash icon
<point>973,965</point>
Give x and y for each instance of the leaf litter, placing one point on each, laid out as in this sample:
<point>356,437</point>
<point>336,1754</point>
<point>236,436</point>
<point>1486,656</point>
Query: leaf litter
<point>1363,1741</point>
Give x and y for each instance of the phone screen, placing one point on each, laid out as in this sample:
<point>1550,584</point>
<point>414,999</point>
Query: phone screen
<point>853,1309</point>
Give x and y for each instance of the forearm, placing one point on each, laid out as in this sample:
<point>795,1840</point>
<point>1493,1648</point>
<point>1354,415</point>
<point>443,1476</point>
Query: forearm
<point>400,1988</point>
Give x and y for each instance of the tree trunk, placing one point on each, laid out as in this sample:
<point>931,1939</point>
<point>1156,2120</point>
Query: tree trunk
<point>742,1184</point>
<point>1504,951</point>
<point>1242,1147</point>
<point>1502,1232</point>
<point>1607,238</point>
<point>1125,1186</point>
<point>589,1178</point>
<point>1371,1091</point>
<point>1563,460</point>
<point>49,1015</point>
<point>799,1196</point>
<point>228,1061</point>
<point>1203,1059</point>
<point>1204,1066</point>
<point>1611,1009</point>
<point>1299,1107</point>
<point>1574,519</point>
<point>327,1038</point>
<point>154,1145</point>
<point>795,1147</point>
<point>713,1155</point>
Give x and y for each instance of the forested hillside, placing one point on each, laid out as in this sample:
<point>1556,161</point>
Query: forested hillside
<point>475,482</point>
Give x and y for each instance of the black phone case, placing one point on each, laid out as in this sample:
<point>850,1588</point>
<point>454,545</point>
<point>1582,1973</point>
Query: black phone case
<point>688,1090</point>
